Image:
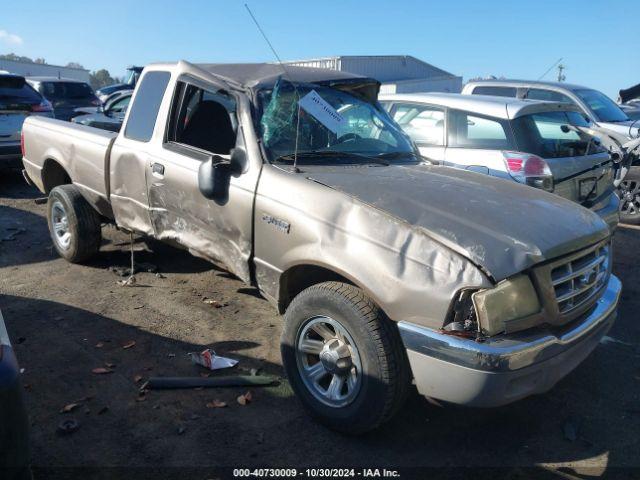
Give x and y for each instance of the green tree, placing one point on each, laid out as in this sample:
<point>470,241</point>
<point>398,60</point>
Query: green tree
<point>74,65</point>
<point>100,78</point>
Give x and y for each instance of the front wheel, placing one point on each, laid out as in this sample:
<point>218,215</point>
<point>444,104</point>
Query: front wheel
<point>74,225</point>
<point>344,357</point>
<point>629,193</point>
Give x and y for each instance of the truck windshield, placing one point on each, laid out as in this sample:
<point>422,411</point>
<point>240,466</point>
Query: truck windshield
<point>335,127</point>
<point>603,108</point>
<point>548,135</point>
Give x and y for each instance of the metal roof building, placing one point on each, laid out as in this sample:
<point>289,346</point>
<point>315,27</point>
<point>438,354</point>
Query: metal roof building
<point>398,73</point>
<point>27,69</point>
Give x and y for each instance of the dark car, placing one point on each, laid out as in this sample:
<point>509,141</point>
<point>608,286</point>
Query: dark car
<point>129,84</point>
<point>14,437</point>
<point>18,100</point>
<point>109,117</point>
<point>66,95</point>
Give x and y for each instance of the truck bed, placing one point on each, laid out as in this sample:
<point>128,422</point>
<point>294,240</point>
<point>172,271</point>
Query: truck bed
<point>81,151</point>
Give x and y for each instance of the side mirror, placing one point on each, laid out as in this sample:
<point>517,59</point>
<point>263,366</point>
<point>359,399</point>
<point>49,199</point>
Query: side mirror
<point>214,176</point>
<point>238,160</point>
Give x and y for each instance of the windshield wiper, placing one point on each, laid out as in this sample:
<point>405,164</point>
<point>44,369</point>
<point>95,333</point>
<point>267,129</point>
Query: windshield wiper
<point>394,155</point>
<point>289,157</point>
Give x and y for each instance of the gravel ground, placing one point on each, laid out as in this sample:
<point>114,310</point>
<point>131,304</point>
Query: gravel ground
<point>66,320</point>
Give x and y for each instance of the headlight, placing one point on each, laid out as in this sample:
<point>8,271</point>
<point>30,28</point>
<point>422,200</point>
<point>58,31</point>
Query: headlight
<point>510,300</point>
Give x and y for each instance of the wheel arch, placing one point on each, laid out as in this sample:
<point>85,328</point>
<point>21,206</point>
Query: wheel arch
<point>53,175</point>
<point>301,276</point>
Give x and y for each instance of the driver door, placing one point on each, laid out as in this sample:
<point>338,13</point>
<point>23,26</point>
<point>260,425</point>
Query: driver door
<point>203,121</point>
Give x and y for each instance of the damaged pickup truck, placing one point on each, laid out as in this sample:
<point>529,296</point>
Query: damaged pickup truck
<point>302,185</point>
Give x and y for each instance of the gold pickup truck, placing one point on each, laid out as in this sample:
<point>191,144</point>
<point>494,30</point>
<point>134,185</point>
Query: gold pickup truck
<point>300,183</point>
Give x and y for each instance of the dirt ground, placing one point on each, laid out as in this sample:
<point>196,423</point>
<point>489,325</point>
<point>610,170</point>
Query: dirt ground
<point>66,320</point>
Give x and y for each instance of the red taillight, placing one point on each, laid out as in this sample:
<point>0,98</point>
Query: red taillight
<point>529,169</point>
<point>22,142</point>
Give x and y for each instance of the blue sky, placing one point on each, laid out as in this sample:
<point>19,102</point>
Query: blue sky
<point>596,39</point>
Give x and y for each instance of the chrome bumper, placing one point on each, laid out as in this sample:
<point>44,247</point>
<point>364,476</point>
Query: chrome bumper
<point>505,368</point>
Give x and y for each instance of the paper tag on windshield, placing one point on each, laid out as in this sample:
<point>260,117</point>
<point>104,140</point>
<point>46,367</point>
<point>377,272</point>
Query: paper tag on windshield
<point>314,104</point>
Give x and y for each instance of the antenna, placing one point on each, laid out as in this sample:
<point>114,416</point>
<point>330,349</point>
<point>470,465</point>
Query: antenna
<point>286,74</point>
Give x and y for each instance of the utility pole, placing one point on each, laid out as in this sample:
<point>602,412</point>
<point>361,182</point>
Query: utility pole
<point>561,75</point>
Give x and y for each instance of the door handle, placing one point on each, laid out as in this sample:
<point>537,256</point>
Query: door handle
<point>157,168</point>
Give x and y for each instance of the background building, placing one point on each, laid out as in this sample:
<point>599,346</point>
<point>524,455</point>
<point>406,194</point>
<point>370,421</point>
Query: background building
<point>398,73</point>
<point>28,69</point>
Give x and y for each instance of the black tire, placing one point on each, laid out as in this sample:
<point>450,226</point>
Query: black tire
<point>385,373</point>
<point>629,193</point>
<point>83,224</point>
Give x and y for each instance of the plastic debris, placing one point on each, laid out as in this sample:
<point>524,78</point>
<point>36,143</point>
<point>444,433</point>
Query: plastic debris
<point>129,344</point>
<point>208,358</point>
<point>69,407</point>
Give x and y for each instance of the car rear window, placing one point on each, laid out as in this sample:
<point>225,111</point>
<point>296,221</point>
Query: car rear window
<point>144,111</point>
<point>66,90</point>
<point>496,91</point>
<point>14,91</point>
<point>542,134</point>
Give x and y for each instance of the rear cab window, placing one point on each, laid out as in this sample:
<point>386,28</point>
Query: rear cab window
<point>17,94</point>
<point>495,91</point>
<point>144,110</point>
<point>469,130</point>
<point>542,134</point>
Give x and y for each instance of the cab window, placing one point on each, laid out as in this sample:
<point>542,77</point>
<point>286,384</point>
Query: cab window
<point>203,118</point>
<point>144,111</point>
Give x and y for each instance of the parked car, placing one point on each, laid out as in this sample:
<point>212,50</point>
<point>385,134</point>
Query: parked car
<point>520,140</point>
<point>66,95</point>
<point>632,110</point>
<point>129,84</point>
<point>109,117</point>
<point>607,118</point>
<point>17,101</point>
<point>385,267</point>
<point>14,433</point>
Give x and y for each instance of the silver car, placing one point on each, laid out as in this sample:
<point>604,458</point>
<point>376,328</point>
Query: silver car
<point>18,100</point>
<point>534,143</point>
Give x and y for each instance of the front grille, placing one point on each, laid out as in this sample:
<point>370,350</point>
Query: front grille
<point>577,281</point>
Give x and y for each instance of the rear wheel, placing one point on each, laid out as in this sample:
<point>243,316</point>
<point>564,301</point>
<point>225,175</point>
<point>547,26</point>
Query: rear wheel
<point>344,357</point>
<point>74,225</point>
<point>629,192</point>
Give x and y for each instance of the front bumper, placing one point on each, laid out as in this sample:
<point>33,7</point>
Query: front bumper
<point>506,368</point>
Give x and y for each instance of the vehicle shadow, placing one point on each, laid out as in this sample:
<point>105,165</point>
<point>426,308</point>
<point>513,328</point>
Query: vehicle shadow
<point>24,238</point>
<point>13,184</point>
<point>61,344</point>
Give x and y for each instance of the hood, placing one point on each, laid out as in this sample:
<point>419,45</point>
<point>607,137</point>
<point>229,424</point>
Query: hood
<point>501,226</point>
<point>629,129</point>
